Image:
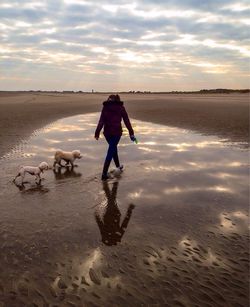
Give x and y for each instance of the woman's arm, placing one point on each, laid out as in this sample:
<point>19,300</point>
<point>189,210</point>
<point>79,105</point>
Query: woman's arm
<point>127,121</point>
<point>99,126</point>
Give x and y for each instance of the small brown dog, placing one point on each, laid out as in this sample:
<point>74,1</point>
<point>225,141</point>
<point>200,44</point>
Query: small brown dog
<point>68,157</point>
<point>32,170</point>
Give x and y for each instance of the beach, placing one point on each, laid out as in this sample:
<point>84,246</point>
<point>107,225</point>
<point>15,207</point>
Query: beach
<point>224,115</point>
<point>172,229</point>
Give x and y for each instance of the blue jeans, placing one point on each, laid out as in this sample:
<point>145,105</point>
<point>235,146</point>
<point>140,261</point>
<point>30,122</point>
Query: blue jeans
<point>112,152</point>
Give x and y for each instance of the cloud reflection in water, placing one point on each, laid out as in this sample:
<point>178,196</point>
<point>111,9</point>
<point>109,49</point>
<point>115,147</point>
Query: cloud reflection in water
<point>191,209</point>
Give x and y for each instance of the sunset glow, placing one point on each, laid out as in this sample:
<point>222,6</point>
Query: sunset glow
<point>134,45</point>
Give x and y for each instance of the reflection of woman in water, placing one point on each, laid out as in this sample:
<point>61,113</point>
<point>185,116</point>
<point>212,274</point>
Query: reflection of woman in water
<point>109,220</point>
<point>112,114</point>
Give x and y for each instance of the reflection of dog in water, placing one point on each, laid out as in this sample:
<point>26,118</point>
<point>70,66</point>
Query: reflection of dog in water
<point>39,189</point>
<point>108,217</point>
<point>68,157</point>
<point>67,172</point>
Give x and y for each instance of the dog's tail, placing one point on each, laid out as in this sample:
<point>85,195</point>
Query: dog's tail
<point>58,151</point>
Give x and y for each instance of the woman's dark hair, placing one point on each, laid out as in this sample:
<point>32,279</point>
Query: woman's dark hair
<point>117,98</point>
<point>114,98</point>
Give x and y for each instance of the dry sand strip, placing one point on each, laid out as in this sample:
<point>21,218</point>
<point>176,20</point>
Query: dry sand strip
<point>224,115</point>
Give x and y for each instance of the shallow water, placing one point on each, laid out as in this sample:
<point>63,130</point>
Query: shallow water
<point>171,230</point>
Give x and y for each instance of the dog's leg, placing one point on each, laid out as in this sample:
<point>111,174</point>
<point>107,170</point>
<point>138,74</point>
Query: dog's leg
<point>38,177</point>
<point>18,175</point>
<point>22,177</point>
<point>66,162</point>
<point>59,162</point>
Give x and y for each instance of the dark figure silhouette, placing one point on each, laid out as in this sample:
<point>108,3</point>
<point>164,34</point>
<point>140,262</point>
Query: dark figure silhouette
<point>109,220</point>
<point>113,112</point>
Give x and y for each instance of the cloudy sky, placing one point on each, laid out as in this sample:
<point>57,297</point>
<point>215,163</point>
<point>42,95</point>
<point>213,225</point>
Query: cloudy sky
<point>107,45</point>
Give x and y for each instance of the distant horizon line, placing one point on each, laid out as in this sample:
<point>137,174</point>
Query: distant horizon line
<point>203,91</point>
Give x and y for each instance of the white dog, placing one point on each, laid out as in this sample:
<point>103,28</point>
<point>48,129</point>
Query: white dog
<point>32,170</point>
<point>68,157</point>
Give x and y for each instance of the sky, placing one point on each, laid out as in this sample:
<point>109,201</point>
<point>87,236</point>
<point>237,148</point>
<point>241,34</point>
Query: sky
<point>107,45</point>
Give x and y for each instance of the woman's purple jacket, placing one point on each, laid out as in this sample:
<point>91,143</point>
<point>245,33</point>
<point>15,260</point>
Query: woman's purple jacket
<point>111,117</point>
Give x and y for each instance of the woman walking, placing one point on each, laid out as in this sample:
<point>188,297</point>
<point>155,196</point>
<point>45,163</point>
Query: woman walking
<point>112,114</point>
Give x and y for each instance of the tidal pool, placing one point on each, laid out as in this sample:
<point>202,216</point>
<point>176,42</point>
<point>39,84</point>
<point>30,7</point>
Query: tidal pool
<point>171,230</point>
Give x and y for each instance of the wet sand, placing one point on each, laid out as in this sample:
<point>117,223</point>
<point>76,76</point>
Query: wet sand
<point>171,230</point>
<point>224,115</point>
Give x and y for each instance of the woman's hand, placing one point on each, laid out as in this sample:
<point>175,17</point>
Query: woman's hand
<point>133,139</point>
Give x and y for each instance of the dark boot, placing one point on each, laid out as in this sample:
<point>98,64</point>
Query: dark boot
<point>105,170</point>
